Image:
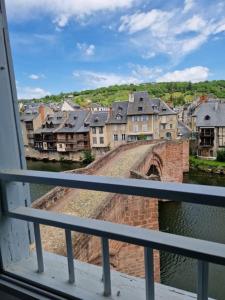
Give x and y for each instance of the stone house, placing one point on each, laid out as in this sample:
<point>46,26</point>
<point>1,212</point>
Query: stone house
<point>116,125</point>
<point>150,118</point>
<point>168,120</point>
<point>98,131</point>
<point>45,136</point>
<point>209,122</point>
<point>74,134</point>
<point>31,119</point>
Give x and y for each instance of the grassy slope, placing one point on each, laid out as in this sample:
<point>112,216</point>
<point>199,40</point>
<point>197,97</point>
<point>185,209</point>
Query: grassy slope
<point>178,92</point>
<point>196,162</point>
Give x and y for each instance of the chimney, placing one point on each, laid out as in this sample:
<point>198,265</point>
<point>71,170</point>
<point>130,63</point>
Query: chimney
<point>216,105</point>
<point>42,112</point>
<point>110,111</point>
<point>203,98</point>
<point>131,97</point>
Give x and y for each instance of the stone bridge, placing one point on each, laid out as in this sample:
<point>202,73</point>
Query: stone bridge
<point>161,160</point>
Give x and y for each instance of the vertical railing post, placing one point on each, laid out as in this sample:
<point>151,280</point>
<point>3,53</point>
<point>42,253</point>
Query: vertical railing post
<point>203,275</point>
<point>69,248</point>
<point>14,237</point>
<point>38,244</point>
<point>106,267</point>
<point>149,273</point>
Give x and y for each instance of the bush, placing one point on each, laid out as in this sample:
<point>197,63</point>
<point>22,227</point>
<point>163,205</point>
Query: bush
<point>221,155</point>
<point>88,157</point>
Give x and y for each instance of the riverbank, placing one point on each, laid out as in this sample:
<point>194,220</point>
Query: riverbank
<point>32,154</point>
<point>207,166</point>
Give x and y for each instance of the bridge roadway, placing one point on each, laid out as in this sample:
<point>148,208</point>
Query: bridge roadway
<point>83,203</point>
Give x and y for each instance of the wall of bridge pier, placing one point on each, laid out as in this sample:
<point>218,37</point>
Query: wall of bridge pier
<point>170,159</point>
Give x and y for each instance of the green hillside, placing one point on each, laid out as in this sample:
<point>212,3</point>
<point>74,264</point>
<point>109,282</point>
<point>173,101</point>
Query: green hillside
<point>177,92</point>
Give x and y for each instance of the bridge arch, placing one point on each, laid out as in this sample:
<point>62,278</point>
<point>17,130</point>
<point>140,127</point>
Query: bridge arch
<point>155,167</point>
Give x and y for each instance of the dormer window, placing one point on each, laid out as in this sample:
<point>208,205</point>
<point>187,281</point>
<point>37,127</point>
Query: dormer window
<point>118,117</point>
<point>120,109</point>
<point>207,117</point>
<point>140,108</point>
<point>74,117</point>
<point>59,118</point>
<point>141,99</point>
<point>96,120</point>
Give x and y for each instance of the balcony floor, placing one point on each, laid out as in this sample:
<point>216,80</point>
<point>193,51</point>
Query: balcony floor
<point>88,281</point>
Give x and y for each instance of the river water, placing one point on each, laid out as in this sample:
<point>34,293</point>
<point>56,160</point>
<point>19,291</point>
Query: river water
<point>38,190</point>
<point>180,218</point>
<point>203,222</point>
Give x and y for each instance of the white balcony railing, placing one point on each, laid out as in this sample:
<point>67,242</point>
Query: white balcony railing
<point>204,251</point>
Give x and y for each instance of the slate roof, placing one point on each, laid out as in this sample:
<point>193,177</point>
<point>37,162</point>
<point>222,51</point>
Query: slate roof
<point>98,118</point>
<point>118,113</point>
<point>141,100</point>
<point>215,112</point>
<point>162,108</point>
<point>184,130</point>
<point>29,114</point>
<point>75,122</point>
<point>55,120</point>
<point>149,106</point>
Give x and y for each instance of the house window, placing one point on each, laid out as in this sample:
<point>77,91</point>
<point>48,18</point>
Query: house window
<point>94,130</point>
<point>123,137</point>
<point>115,137</point>
<point>135,128</point>
<point>144,127</point>
<point>94,140</point>
<point>163,126</point>
<point>144,117</point>
<point>171,126</point>
<point>140,108</point>
<point>101,140</point>
<point>60,146</point>
<point>168,135</point>
<point>207,117</point>
<point>100,130</point>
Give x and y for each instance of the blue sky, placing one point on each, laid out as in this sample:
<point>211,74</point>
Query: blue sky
<point>72,45</point>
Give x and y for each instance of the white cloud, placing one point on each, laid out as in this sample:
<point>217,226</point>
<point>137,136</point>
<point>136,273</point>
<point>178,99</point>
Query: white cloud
<point>97,79</point>
<point>188,5</point>
<point>61,11</point>
<point>194,74</point>
<point>148,55</point>
<point>30,92</point>
<point>172,32</point>
<point>86,50</point>
<point>195,23</point>
<point>154,20</point>
<point>36,76</point>
<point>144,73</point>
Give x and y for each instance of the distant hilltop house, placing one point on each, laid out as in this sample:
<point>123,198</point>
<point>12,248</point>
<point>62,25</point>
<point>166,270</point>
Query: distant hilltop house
<point>69,106</point>
<point>97,107</point>
<point>100,128</point>
<point>209,123</point>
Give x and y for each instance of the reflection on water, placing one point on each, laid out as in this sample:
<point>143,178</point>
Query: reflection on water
<point>38,190</point>
<point>197,221</point>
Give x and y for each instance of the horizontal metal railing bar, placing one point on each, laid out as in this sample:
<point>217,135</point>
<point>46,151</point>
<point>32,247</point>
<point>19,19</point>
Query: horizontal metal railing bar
<point>199,249</point>
<point>207,195</point>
